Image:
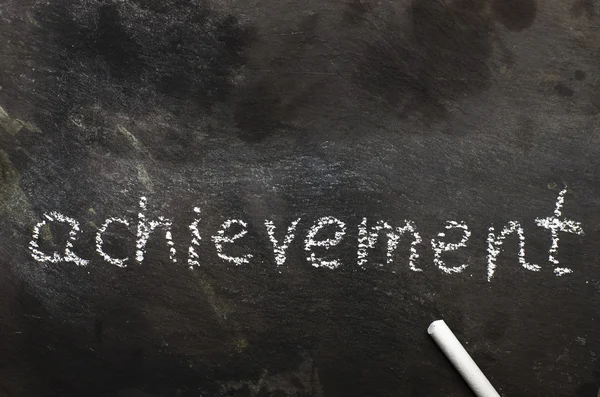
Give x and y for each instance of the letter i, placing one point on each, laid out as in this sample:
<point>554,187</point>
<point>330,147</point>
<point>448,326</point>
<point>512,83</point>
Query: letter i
<point>192,254</point>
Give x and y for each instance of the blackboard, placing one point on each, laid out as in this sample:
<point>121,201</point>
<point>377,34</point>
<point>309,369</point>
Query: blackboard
<point>276,198</point>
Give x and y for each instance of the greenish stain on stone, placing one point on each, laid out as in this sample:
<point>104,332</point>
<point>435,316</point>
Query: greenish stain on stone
<point>46,233</point>
<point>13,125</point>
<point>135,143</point>
<point>221,310</point>
<point>14,204</point>
<point>143,177</point>
<point>138,147</point>
<point>241,344</point>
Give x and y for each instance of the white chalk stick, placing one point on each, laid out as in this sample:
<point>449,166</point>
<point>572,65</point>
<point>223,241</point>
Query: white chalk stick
<point>461,360</point>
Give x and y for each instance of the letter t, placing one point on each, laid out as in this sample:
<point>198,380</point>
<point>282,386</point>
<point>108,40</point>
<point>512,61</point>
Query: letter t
<point>555,225</point>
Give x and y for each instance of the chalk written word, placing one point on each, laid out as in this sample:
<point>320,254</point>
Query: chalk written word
<point>326,233</point>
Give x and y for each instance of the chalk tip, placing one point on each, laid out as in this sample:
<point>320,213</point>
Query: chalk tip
<point>432,326</point>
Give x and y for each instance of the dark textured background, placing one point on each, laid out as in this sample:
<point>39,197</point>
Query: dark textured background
<point>430,110</point>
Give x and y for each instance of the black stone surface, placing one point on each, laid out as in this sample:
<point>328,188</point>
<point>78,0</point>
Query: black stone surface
<point>479,111</point>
